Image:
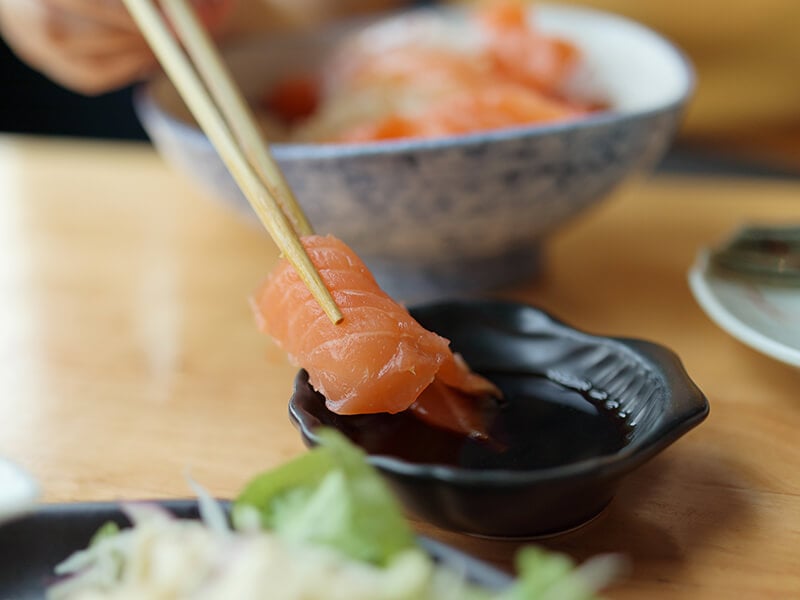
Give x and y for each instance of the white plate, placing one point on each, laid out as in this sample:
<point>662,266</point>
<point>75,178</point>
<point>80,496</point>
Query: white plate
<point>18,491</point>
<point>763,316</point>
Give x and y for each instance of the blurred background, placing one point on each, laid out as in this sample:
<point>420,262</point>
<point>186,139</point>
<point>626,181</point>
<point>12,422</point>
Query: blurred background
<point>746,106</point>
<point>744,116</point>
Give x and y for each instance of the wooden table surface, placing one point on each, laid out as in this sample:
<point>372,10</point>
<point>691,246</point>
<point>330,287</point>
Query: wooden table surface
<point>128,355</point>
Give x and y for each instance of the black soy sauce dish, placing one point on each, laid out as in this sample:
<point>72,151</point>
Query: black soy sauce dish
<point>579,413</point>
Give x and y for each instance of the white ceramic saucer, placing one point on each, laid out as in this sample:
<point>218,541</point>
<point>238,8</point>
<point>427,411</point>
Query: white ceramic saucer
<point>764,316</point>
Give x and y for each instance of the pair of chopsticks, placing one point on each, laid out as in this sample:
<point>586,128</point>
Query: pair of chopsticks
<point>204,83</point>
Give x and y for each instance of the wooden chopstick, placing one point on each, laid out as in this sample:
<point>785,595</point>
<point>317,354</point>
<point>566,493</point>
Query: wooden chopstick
<point>234,108</point>
<point>182,73</point>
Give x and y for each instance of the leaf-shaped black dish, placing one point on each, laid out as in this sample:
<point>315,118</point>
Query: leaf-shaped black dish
<point>580,412</point>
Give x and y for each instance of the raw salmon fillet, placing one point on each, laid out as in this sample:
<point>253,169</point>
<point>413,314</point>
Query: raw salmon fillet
<point>378,359</point>
<point>433,74</point>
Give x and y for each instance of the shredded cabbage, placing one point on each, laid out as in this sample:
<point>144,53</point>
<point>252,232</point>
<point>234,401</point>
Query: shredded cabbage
<point>165,558</point>
<point>323,527</point>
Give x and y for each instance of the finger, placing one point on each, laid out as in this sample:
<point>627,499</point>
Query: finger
<point>75,36</point>
<point>91,75</point>
<point>111,13</point>
<point>115,73</point>
<point>85,54</point>
<point>33,33</point>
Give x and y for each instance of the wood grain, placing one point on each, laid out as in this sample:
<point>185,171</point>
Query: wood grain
<point>128,356</point>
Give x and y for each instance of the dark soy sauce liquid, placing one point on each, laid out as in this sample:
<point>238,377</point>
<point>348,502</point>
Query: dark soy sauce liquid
<point>539,423</point>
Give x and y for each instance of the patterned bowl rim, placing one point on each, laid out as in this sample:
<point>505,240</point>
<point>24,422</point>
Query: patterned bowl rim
<point>149,110</point>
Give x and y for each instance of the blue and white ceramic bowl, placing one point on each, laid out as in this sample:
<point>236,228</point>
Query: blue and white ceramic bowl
<point>465,213</point>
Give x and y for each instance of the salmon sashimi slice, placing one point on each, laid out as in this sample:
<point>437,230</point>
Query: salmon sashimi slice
<point>495,106</point>
<point>379,358</point>
<point>453,409</point>
<point>437,75</point>
<point>521,53</point>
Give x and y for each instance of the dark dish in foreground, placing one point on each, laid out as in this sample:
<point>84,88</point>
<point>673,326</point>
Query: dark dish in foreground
<point>31,547</point>
<point>634,396</point>
<point>321,527</point>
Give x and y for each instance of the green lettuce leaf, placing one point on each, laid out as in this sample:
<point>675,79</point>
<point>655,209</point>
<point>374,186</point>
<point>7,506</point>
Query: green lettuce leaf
<point>543,575</point>
<point>329,496</point>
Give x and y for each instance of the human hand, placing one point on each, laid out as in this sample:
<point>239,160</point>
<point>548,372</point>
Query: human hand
<point>89,46</point>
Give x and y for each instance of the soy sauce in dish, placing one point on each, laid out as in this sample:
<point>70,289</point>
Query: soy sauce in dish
<point>540,423</point>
